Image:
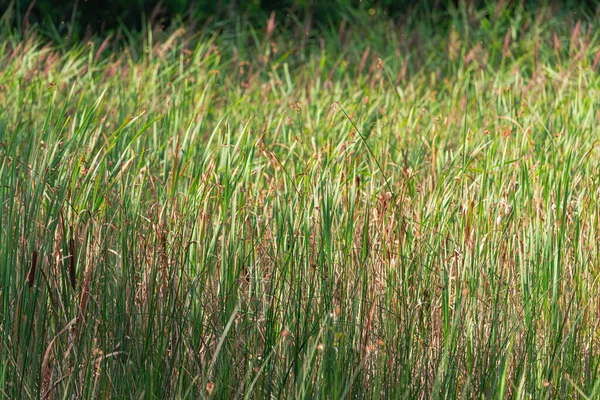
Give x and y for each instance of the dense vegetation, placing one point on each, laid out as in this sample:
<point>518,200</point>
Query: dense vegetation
<point>379,211</point>
<point>78,19</point>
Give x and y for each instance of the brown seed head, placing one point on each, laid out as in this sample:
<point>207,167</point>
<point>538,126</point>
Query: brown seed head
<point>210,387</point>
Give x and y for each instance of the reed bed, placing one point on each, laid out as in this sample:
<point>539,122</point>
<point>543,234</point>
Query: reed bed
<point>391,210</point>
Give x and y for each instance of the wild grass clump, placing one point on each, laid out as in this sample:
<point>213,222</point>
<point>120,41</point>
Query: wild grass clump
<point>388,212</point>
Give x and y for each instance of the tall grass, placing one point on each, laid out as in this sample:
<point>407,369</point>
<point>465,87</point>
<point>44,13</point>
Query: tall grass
<point>384,212</point>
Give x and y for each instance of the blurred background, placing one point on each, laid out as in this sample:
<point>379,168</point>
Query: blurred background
<point>81,18</point>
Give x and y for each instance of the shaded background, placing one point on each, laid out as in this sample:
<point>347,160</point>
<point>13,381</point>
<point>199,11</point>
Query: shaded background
<point>81,17</point>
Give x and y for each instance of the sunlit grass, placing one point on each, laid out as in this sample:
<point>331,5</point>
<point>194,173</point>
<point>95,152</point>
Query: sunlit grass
<point>393,212</point>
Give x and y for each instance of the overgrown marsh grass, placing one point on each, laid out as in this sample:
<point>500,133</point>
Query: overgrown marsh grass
<point>385,212</point>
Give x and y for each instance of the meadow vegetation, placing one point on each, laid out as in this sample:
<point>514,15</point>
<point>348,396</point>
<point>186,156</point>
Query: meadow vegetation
<point>385,210</point>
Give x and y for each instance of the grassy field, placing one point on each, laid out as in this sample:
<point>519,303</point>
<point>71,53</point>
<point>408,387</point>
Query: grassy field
<point>381,211</point>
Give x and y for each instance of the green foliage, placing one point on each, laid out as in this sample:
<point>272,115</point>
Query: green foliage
<point>79,18</point>
<point>398,211</point>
